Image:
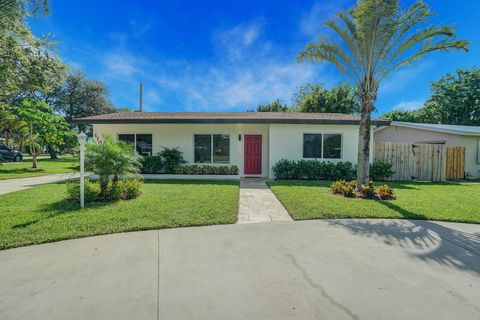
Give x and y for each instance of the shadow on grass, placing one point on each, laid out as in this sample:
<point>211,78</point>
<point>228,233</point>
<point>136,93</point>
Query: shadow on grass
<point>19,170</point>
<point>192,182</point>
<point>424,240</point>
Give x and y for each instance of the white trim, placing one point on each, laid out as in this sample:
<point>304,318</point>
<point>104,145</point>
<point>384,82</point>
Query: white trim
<point>430,127</point>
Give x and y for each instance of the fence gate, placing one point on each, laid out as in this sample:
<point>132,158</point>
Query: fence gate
<point>413,161</point>
<point>455,163</point>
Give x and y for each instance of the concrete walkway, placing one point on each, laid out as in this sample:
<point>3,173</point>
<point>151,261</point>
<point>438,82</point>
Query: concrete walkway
<point>12,185</point>
<point>259,204</point>
<point>338,269</point>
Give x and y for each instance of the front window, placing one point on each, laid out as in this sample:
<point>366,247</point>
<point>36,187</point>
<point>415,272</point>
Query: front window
<point>142,142</point>
<point>312,145</point>
<point>332,146</point>
<point>212,148</point>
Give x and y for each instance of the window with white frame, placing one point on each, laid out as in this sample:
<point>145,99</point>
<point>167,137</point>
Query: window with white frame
<point>142,142</point>
<point>212,148</point>
<point>322,146</point>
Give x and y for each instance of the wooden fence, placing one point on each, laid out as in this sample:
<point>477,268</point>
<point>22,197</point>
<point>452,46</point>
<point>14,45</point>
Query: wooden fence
<point>428,162</point>
<point>455,167</point>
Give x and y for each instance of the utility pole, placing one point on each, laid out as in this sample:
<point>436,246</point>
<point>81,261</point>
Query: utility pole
<point>141,97</point>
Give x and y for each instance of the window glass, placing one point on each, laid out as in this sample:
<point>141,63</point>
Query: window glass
<point>312,145</point>
<point>221,148</point>
<point>128,138</point>
<point>144,144</point>
<point>332,146</point>
<point>203,148</point>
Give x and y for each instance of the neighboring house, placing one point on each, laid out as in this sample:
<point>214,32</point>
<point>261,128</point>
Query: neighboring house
<point>253,141</point>
<point>448,135</point>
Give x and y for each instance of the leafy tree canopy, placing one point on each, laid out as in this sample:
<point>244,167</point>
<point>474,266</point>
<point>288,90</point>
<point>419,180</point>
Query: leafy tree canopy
<point>316,98</point>
<point>275,106</point>
<point>455,100</point>
<point>80,97</point>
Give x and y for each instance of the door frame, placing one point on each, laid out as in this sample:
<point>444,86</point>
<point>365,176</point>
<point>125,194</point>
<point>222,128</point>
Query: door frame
<point>245,154</point>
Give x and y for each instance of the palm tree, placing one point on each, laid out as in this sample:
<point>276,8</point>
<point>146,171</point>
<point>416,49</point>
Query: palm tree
<point>8,8</point>
<point>375,38</point>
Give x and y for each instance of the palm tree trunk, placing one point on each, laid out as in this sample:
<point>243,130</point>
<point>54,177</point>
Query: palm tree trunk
<point>363,157</point>
<point>367,94</point>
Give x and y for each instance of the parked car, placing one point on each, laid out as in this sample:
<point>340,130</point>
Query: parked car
<point>10,154</point>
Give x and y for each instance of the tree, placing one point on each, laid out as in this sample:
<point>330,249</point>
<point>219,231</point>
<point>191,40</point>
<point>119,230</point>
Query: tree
<point>400,115</point>
<point>375,38</point>
<point>455,99</point>
<point>316,98</point>
<point>42,124</point>
<point>275,106</point>
<point>80,97</point>
<point>111,158</point>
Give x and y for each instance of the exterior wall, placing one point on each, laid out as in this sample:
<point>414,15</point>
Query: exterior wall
<point>286,141</point>
<point>182,135</point>
<point>410,135</point>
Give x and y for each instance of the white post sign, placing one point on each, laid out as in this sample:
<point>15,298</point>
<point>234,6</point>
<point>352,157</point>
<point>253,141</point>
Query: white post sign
<point>82,137</point>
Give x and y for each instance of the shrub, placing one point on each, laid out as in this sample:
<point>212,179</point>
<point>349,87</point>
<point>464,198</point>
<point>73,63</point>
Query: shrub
<point>285,169</point>
<point>152,164</point>
<point>91,191</point>
<point>172,158</point>
<point>385,192</point>
<point>367,191</point>
<point>210,170</point>
<point>111,158</point>
<point>345,188</point>
<point>313,170</point>
<point>381,170</point>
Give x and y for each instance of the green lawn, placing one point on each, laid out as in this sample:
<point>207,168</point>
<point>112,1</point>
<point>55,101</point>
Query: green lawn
<point>416,200</point>
<point>23,169</point>
<point>41,214</point>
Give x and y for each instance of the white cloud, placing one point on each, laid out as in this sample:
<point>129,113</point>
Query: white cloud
<point>120,64</point>
<point>312,22</point>
<point>399,80</point>
<point>410,105</point>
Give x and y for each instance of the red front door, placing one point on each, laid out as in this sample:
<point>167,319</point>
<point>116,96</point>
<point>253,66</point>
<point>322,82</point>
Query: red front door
<point>253,154</point>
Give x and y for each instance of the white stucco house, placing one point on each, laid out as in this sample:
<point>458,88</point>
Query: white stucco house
<point>448,135</point>
<point>253,141</point>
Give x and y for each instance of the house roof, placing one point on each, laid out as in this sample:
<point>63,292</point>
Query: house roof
<point>445,128</point>
<point>226,117</point>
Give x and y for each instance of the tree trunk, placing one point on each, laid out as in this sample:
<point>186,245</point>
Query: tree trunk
<point>52,152</point>
<point>367,94</point>
<point>33,152</point>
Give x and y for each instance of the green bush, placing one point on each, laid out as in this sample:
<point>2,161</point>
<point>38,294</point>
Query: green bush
<point>206,170</point>
<point>91,191</point>
<point>344,188</point>
<point>172,158</point>
<point>381,170</point>
<point>124,189</point>
<point>367,191</point>
<point>313,170</point>
<point>152,164</point>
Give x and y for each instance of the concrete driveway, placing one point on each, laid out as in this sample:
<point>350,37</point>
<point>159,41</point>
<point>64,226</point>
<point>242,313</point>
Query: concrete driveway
<point>12,185</point>
<point>342,269</point>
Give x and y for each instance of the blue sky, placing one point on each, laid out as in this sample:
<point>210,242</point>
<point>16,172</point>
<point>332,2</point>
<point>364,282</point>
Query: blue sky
<point>227,55</point>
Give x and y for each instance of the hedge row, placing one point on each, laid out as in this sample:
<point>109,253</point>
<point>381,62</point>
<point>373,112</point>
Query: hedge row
<point>325,170</point>
<point>205,169</point>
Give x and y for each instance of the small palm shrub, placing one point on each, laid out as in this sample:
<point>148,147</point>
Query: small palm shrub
<point>172,158</point>
<point>381,170</point>
<point>111,158</point>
